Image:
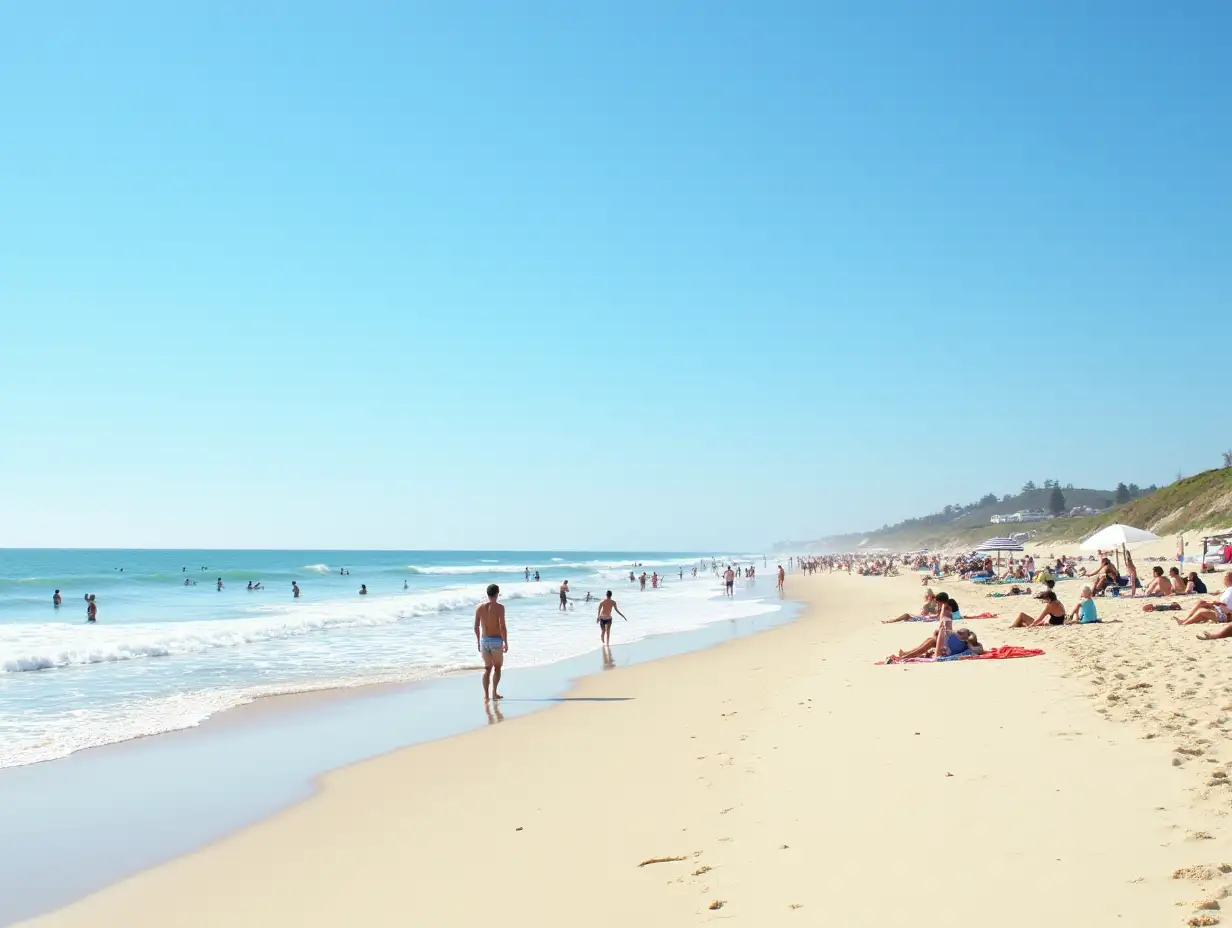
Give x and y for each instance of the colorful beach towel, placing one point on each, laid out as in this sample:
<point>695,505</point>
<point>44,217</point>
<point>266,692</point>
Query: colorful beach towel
<point>1005,652</point>
<point>957,618</point>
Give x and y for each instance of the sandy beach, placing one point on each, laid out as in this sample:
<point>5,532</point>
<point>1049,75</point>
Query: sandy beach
<point>782,778</point>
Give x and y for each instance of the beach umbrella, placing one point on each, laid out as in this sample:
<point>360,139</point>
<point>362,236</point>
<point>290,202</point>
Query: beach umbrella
<point>1118,536</point>
<point>999,545</point>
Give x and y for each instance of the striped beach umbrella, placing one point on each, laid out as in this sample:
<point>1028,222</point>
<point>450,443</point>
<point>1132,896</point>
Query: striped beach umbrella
<point>1000,544</point>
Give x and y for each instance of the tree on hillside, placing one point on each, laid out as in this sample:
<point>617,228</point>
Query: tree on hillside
<point>1047,484</point>
<point>1069,486</point>
<point>1028,486</point>
<point>1227,459</point>
<point>1056,502</point>
<point>1134,491</point>
<point>989,499</point>
<point>1122,494</point>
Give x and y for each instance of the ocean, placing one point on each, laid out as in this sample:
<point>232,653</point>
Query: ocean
<point>169,649</point>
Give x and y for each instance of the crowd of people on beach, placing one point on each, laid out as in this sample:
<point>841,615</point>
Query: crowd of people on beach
<point>1105,579</point>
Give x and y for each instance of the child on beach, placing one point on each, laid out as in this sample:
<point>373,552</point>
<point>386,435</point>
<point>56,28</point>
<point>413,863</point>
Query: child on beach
<point>1085,613</point>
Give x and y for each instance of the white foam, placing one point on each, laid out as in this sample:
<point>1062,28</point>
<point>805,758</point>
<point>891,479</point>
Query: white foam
<point>26,648</point>
<point>318,568</point>
<point>111,682</point>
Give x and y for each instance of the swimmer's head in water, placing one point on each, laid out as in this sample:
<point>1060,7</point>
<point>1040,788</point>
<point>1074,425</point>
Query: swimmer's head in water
<point>493,591</point>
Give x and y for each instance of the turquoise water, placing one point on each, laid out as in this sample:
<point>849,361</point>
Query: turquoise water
<point>170,649</point>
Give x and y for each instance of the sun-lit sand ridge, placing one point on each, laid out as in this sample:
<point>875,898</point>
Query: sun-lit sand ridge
<point>778,779</point>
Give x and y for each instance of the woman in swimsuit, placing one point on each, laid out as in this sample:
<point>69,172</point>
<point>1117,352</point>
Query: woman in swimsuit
<point>1053,614</point>
<point>929,610</point>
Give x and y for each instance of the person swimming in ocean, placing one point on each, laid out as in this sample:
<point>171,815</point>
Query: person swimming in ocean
<point>91,609</point>
<point>295,589</point>
<point>564,596</point>
<point>363,589</point>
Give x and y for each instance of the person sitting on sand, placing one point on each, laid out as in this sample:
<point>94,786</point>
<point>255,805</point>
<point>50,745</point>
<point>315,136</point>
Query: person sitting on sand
<point>956,643</point>
<point>927,611</point>
<point>1195,584</point>
<point>1177,581</point>
<point>1105,576</point>
<point>1159,585</point>
<point>1219,610</point>
<point>1084,613</point>
<point>1053,614</point>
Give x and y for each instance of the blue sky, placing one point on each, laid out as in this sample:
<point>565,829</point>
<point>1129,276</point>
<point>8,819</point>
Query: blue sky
<point>609,275</point>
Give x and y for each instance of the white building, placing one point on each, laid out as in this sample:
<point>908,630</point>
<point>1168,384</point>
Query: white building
<point>1023,515</point>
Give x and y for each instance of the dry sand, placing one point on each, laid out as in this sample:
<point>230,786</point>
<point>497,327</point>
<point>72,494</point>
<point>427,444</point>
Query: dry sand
<point>796,782</point>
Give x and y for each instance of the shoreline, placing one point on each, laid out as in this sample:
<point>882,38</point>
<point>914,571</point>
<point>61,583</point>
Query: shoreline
<point>291,740</point>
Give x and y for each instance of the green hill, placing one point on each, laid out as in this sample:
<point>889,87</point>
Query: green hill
<point>1201,501</point>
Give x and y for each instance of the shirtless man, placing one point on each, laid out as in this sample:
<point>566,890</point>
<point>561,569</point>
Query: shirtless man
<point>782,577</point>
<point>1160,585</point>
<point>492,639</point>
<point>564,596</point>
<point>729,580</point>
<point>606,606</point>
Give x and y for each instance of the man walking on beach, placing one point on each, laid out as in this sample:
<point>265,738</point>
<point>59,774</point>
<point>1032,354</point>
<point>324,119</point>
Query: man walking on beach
<point>729,580</point>
<point>564,596</point>
<point>606,606</point>
<point>492,639</point>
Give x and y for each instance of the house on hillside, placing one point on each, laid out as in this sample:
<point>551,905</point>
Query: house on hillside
<point>1084,511</point>
<point>1023,515</point>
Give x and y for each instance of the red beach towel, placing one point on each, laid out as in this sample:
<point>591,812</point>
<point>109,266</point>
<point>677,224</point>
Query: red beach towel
<point>1005,652</point>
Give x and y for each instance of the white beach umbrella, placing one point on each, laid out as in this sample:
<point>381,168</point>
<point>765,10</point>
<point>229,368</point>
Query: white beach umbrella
<point>1116,536</point>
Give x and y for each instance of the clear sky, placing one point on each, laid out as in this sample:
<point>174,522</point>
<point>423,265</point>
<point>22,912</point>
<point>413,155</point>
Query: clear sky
<point>637,274</point>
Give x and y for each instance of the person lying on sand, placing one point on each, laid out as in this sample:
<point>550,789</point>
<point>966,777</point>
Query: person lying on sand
<point>928,610</point>
<point>1053,614</point>
<point>1159,585</point>
<point>1084,613</point>
<point>1013,591</point>
<point>1219,610</point>
<point>962,641</point>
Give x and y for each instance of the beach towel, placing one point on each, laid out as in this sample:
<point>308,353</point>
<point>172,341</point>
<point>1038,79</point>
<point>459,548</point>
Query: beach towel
<point>1005,652</point>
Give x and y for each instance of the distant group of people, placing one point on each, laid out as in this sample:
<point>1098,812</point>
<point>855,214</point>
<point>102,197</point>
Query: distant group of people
<point>91,605</point>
